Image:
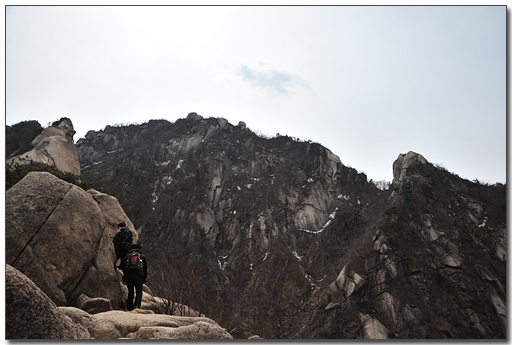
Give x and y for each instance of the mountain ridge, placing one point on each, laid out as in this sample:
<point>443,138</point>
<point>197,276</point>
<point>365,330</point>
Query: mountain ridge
<point>234,206</point>
<point>276,237</point>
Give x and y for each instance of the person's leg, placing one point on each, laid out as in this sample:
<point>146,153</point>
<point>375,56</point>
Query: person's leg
<point>118,254</point>
<point>138,289</point>
<point>130,284</point>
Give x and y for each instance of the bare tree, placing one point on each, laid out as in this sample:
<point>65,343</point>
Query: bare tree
<point>382,184</point>
<point>175,287</point>
<point>180,289</point>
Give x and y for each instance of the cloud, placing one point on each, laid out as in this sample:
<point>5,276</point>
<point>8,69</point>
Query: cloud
<point>275,81</point>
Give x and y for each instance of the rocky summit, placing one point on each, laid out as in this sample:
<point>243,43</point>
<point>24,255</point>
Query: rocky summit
<point>270,238</point>
<point>52,146</point>
<point>278,238</point>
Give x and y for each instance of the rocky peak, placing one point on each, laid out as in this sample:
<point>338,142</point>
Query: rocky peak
<point>403,164</point>
<point>54,147</point>
<point>193,116</point>
<point>271,222</point>
<point>231,204</point>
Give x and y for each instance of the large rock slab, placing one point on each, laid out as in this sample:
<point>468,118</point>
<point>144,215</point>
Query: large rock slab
<point>145,326</point>
<point>55,234</point>
<point>197,331</point>
<point>28,205</point>
<point>98,329</point>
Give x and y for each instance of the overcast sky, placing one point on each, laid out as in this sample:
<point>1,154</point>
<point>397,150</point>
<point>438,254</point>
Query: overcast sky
<point>367,82</point>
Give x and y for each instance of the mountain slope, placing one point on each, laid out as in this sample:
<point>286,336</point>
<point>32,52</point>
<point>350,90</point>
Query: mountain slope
<point>436,268</point>
<point>253,231</point>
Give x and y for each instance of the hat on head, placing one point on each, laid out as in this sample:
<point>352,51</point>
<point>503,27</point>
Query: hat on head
<point>122,224</point>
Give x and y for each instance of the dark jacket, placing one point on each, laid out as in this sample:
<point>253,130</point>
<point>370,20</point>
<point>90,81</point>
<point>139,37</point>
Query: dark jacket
<point>117,236</point>
<point>124,262</point>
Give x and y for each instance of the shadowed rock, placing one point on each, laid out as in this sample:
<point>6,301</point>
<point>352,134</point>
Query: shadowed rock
<point>32,315</point>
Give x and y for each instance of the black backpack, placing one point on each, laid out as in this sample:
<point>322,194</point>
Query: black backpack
<point>125,239</point>
<point>134,261</point>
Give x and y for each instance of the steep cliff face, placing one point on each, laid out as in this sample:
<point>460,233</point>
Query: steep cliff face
<point>259,229</point>
<point>259,221</point>
<point>436,268</point>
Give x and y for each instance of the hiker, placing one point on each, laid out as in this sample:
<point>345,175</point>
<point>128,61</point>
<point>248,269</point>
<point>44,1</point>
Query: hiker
<point>122,241</point>
<point>135,272</point>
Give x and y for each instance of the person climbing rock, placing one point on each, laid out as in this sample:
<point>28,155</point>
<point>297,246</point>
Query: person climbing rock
<point>135,272</point>
<point>122,240</point>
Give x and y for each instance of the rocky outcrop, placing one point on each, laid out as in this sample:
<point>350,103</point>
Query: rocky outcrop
<point>403,164</point>
<point>336,316</point>
<point>93,305</point>
<point>373,328</point>
<point>154,326</point>
<point>432,270</point>
<point>58,235</point>
<point>428,247</point>
<point>347,283</point>
<point>143,324</point>
<point>54,147</point>
<point>97,328</point>
<point>19,136</point>
<point>30,314</point>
